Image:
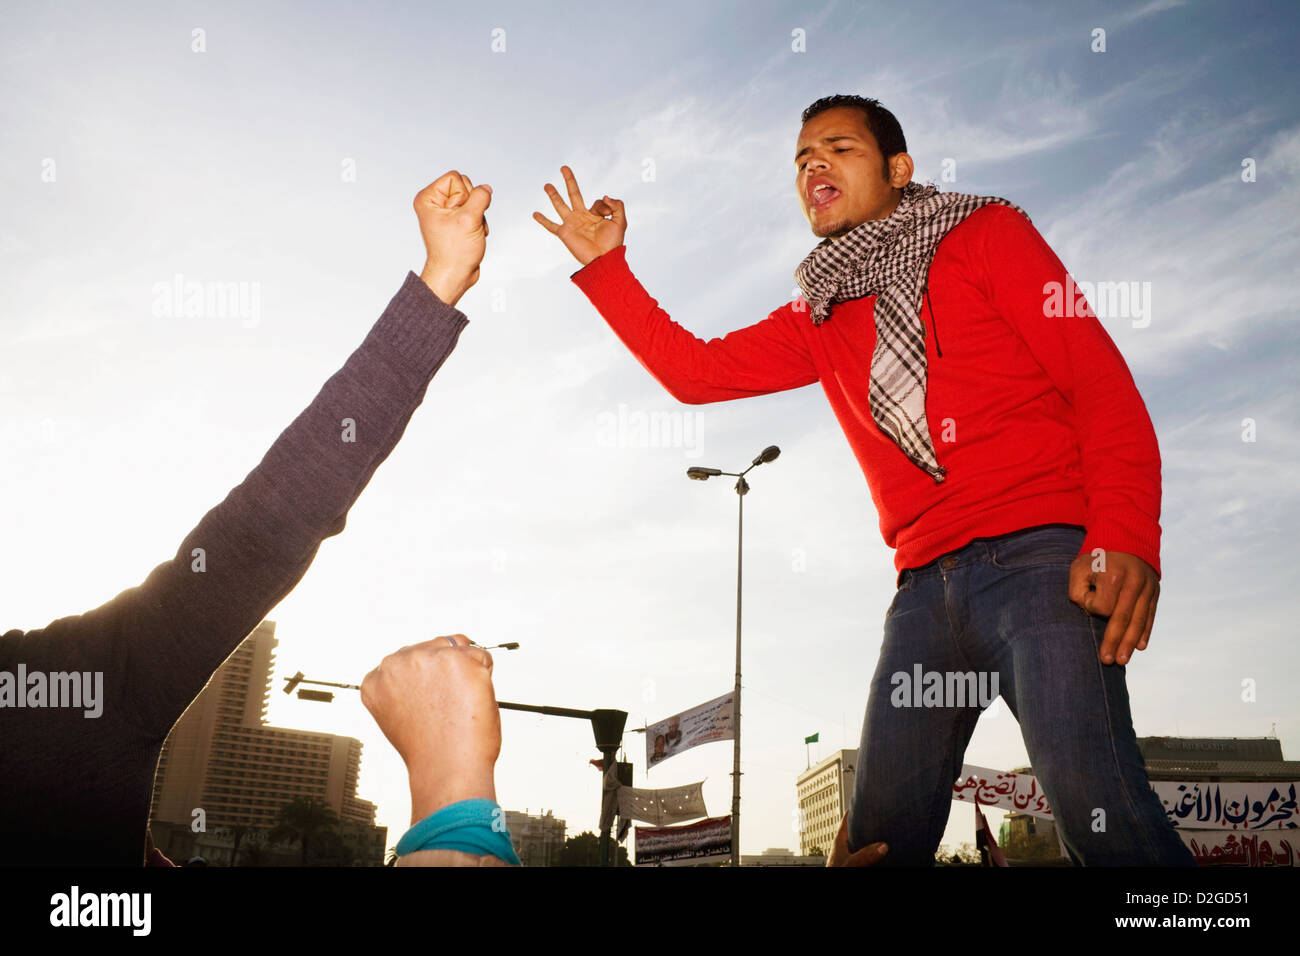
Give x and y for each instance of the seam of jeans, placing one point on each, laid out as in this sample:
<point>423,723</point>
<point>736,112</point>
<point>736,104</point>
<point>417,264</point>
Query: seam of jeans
<point>1133,810</point>
<point>953,636</point>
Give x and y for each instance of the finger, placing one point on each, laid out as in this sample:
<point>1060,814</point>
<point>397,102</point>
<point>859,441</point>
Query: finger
<point>868,855</point>
<point>575,196</point>
<point>557,202</point>
<point>549,226</point>
<point>368,689</point>
<point>1120,618</point>
<point>449,191</point>
<point>428,196</point>
<point>1136,625</point>
<point>443,642</point>
<point>618,215</point>
<point>1151,620</point>
<point>1101,601</point>
<point>479,654</point>
<point>602,208</point>
<point>1080,582</point>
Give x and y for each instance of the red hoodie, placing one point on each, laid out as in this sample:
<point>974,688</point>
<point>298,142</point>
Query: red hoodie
<point>1036,419</point>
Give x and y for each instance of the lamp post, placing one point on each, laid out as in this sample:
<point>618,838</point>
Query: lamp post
<point>742,488</point>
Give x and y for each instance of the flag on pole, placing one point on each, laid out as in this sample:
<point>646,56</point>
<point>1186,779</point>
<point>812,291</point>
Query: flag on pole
<point>985,842</point>
<point>812,739</point>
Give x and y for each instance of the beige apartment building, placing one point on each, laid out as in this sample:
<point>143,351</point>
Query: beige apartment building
<point>223,759</point>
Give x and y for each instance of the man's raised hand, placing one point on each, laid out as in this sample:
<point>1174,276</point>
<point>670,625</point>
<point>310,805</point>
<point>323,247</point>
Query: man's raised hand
<point>435,703</point>
<point>587,233</point>
<point>454,227</point>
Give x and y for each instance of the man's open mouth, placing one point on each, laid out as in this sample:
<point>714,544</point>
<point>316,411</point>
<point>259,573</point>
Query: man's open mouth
<point>823,195</point>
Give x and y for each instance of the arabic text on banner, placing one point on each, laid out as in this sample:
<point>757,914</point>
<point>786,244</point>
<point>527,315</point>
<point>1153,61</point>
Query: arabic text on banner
<point>701,842</point>
<point>1260,848</point>
<point>699,725</point>
<point>1188,805</point>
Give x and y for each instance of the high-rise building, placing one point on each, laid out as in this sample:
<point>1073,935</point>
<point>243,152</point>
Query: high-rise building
<point>538,839</point>
<point>824,791</point>
<point>223,760</point>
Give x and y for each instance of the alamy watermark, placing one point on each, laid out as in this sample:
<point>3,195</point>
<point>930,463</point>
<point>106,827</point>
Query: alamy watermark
<point>943,688</point>
<point>1110,300</point>
<point>35,689</point>
<point>189,299</point>
<point>637,429</point>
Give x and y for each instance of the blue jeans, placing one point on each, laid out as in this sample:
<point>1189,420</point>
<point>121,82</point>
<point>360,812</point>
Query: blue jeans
<point>1000,607</point>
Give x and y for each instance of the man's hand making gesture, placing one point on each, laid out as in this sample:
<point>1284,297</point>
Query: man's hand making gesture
<point>452,222</point>
<point>587,233</point>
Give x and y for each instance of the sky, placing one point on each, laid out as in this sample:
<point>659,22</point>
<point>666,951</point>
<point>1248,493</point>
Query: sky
<point>284,154</point>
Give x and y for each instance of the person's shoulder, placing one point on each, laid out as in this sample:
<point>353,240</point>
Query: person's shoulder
<point>995,217</point>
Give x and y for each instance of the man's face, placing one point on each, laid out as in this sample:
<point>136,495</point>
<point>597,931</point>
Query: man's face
<point>836,150</point>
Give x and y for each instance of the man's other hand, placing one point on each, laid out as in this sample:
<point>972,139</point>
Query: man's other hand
<point>1126,592</point>
<point>869,855</point>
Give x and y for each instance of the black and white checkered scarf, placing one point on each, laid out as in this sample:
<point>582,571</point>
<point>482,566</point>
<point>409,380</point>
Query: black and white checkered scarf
<point>890,258</point>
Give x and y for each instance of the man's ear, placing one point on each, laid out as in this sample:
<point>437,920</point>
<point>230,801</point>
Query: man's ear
<point>900,170</point>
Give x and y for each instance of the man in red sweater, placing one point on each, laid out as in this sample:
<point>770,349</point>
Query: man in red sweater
<point>1010,458</point>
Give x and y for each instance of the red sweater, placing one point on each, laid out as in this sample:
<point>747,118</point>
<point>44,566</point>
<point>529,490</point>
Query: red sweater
<point>1037,420</point>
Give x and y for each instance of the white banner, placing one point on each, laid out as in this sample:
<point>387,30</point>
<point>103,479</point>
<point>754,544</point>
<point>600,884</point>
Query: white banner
<point>1230,806</point>
<point>661,807</point>
<point>1225,848</point>
<point>1005,791</point>
<point>1188,805</point>
<point>699,725</point>
<point>702,842</point>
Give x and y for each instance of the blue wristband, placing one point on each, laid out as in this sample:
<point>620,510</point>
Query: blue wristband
<point>467,826</point>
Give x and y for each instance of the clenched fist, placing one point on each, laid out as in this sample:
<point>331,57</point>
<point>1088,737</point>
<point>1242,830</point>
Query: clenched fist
<point>452,221</point>
<point>435,704</point>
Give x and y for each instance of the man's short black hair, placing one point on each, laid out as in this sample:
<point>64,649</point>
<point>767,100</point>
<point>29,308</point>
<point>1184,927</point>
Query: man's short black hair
<point>883,124</point>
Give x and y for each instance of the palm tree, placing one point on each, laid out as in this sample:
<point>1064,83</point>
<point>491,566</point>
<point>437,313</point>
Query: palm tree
<point>303,819</point>
<point>238,831</point>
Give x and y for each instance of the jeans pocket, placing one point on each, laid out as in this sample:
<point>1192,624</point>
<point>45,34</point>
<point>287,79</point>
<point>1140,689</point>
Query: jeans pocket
<point>907,584</point>
<point>1042,547</point>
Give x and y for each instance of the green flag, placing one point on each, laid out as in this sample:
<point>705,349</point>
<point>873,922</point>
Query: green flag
<point>812,739</point>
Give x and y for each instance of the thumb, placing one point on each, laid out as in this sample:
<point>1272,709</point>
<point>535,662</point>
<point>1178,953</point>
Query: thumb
<point>480,198</point>
<point>1080,578</point>
<point>869,855</point>
<point>619,216</point>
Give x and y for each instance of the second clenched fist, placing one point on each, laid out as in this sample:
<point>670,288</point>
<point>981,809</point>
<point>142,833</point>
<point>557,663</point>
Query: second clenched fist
<point>454,228</point>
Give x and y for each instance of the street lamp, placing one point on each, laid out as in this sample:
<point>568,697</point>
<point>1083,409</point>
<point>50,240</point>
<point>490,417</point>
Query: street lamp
<point>769,453</point>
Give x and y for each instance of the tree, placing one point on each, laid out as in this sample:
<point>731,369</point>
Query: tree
<point>816,851</point>
<point>304,819</point>
<point>255,855</point>
<point>238,831</point>
<point>964,855</point>
<point>584,850</point>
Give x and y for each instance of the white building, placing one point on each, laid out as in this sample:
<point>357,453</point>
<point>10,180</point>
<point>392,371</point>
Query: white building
<point>824,791</point>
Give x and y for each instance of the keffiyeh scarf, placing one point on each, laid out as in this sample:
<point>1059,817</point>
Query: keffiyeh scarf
<point>890,258</point>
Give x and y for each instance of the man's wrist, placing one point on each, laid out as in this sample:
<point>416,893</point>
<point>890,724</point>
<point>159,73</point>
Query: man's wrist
<point>433,788</point>
<point>443,284</point>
